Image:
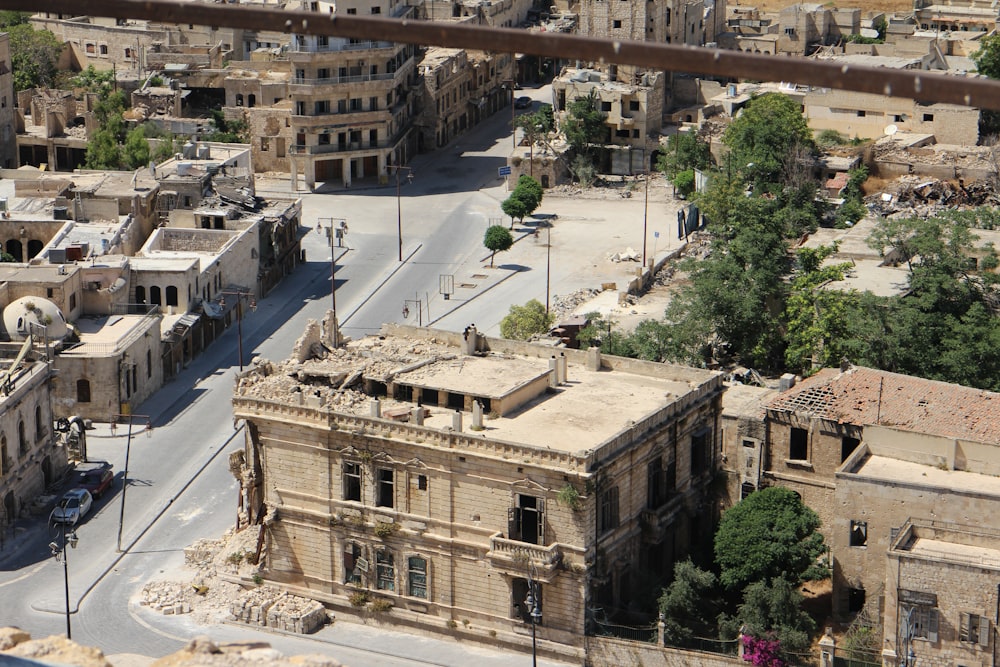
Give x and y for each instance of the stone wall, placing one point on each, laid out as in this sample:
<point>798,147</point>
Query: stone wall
<point>610,652</point>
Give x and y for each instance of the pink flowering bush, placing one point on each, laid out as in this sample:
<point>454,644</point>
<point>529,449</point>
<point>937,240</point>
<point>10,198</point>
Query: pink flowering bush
<point>762,651</point>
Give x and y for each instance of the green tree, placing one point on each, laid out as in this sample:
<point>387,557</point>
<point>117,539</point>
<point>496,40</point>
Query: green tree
<point>688,604</point>
<point>530,191</point>
<point>10,18</point>
<point>523,322</point>
<point>685,151</point>
<point>497,239</point>
<point>136,152</point>
<point>767,536</point>
<point>584,127</point>
<point>103,151</point>
<point>515,207</point>
<point>987,60</point>
<point>775,606</point>
<point>536,125</point>
<point>34,55</point>
<point>227,131</point>
<point>768,130</point>
<point>93,81</point>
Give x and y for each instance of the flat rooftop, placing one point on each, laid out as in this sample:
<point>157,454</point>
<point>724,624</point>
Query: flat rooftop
<point>886,469</point>
<point>101,336</point>
<point>590,408</point>
<point>953,552</point>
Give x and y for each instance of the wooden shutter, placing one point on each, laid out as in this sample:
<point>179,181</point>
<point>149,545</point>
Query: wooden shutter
<point>514,523</point>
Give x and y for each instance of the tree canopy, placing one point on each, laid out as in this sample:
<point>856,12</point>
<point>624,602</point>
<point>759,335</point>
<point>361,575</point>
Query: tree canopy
<point>684,151</point>
<point>768,132</point>
<point>497,239</point>
<point>769,535</point>
<point>34,55</point>
<point>585,132</point>
<point>523,322</point>
<point>687,604</point>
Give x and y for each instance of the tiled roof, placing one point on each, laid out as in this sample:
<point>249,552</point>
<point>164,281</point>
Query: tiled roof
<point>867,397</point>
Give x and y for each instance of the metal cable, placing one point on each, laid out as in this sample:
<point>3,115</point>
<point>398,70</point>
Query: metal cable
<point>919,85</point>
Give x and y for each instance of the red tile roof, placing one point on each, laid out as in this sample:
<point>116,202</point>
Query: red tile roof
<point>868,397</point>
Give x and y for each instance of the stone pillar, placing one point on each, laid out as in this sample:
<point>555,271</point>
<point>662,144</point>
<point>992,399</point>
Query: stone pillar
<point>310,174</point>
<point>477,415</point>
<point>660,627</point>
<point>563,369</point>
<point>827,648</point>
<point>456,421</point>
<point>469,339</point>
<point>553,372</point>
<point>376,406</point>
<point>346,171</point>
<point>417,416</point>
<point>593,358</point>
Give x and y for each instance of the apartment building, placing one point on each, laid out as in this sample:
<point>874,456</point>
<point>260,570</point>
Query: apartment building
<point>440,472</point>
<point>353,102</point>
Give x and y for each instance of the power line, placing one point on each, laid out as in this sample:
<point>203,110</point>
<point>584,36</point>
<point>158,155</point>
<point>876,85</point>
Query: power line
<point>919,85</point>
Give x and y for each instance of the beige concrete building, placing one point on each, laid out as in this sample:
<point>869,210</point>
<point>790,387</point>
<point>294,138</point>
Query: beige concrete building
<point>30,460</point>
<point>438,471</point>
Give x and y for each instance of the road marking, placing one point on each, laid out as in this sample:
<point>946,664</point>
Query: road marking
<point>24,576</point>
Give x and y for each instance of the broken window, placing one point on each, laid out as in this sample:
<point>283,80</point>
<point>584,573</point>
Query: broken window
<point>798,445</point>
<point>354,564</point>
<point>859,533</point>
<point>923,622</point>
<point>385,571</point>
<point>608,517</point>
<point>525,521</point>
<point>352,481</point>
<point>700,452</point>
<point>656,483</point>
<point>385,496</point>
<point>417,577</point>
<point>974,629</point>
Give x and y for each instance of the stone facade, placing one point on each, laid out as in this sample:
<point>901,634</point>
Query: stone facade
<point>30,461</point>
<point>8,129</point>
<point>395,487</point>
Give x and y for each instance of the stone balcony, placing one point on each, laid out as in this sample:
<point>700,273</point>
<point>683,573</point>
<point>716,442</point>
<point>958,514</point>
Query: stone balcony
<point>515,557</point>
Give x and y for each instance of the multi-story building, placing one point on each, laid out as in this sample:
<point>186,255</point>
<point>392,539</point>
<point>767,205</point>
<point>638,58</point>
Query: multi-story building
<point>353,102</point>
<point>441,472</point>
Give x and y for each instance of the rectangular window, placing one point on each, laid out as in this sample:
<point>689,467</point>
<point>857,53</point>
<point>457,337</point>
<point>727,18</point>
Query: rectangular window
<point>847,447</point>
<point>385,494</point>
<point>859,533</point>
<point>605,106</point>
<point>322,73</point>
<point>928,118</point>
<point>633,105</point>
<point>974,629</point>
<point>656,483</point>
<point>861,113</point>
<point>422,482</point>
<point>798,445</point>
<point>352,563</point>
<point>321,107</point>
<point>700,452</point>
<point>385,571</point>
<point>341,106</point>
<point>923,622</point>
<point>417,579</point>
<point>352,481</point>
<point>265,144</point>
<point>376,10</point>
<point>616,23</point>
<point>356,104</point>
<point>608,517</point>
<point>526,520</point>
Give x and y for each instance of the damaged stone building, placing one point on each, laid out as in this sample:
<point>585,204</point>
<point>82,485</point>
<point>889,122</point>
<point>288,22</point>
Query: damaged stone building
<point>439,472</point>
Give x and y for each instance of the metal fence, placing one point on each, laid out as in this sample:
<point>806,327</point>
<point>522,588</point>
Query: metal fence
<point>720,646</point>
<point>856,658</point>
<point>645,634</point>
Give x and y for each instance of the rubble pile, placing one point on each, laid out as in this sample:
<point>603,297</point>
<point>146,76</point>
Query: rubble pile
<point>963,157</point>
<point>563,306</point>
<point>914,196</point>
<point>16,643</point>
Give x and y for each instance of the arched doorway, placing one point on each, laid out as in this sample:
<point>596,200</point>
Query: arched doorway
<point>10,507</point>
<point>140,294</point>
<point>47,471</point>
<point>15,250</point>
<point>34,247</point>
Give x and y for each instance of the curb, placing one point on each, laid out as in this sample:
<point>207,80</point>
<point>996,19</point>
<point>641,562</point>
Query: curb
<point>382,284</point>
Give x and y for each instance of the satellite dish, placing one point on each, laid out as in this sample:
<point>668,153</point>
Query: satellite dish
<point>890,130</point>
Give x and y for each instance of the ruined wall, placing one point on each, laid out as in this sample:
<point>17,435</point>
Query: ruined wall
<point>603,651</point>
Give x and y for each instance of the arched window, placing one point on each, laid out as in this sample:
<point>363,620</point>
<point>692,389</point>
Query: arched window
<point>171,295</point>
<point>22,442</point>
<point>39,428</point>
<point>83,391</point>
<point>239,99</point>
<point>140,294</point>
<point>154,295</point>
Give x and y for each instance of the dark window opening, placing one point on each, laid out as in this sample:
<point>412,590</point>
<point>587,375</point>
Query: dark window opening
<point>385,496</point>
<point>519,597</point>
<point>385,571</point>
<point>377,388</point>
<point>798,445</point>
<point>456,401</point>
<point>417,567</point>
<point>859,533</point>
<point>352,481</point>
<point>83,391</point>
<point>746,490</point>
<point>525,522</point>
<point>403,393</point>
<point>608,517</point>
<point>847,447</point>
<point>429,397</point>
<point>352,573</point>
<point>700,452</point>
<point>656,483</point>
<point>422,482</point>
<point>855,599</point>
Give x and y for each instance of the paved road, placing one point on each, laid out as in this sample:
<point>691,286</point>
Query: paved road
<point>180,488</point>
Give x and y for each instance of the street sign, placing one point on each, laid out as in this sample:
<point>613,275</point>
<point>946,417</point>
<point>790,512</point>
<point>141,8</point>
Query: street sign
<point>656,235</point>
<point>503,171</point>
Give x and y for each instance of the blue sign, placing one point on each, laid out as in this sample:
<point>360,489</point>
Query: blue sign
<point>656,235</point>
<point>503,171</point>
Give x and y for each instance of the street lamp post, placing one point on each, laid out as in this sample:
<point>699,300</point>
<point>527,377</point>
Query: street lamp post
<point>399,206</point>
<point>513,128</point>
<point>645,218</point>
<point>128,449</point>
<point>548,264</point>
<point>240,295</point>
<point>535,613</point>
<point>59,553</point>
<point>338,234</point>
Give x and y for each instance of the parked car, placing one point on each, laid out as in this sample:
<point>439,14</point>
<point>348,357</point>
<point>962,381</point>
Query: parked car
<point>95,477</point>
<point>72,507</point>
<point>523,102</point>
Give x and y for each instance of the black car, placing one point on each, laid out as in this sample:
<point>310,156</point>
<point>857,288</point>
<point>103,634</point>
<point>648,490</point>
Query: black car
<point>523,102</point>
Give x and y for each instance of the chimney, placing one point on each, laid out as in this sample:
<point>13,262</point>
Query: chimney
<point>469,339</point>
<point>553,372</point>
<point>417,415</point>
<point>563,369</point>
<point>376,408</point>
<point>456,421</point>
<point>477,415</point>
<point>593,359</point>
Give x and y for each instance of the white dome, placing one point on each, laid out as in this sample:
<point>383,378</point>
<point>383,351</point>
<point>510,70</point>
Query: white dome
<point>18,316</point>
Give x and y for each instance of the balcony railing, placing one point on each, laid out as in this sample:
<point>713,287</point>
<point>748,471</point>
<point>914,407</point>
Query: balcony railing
<point>335,80</point>
<point>518,556</point>
<point>314,47</point>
